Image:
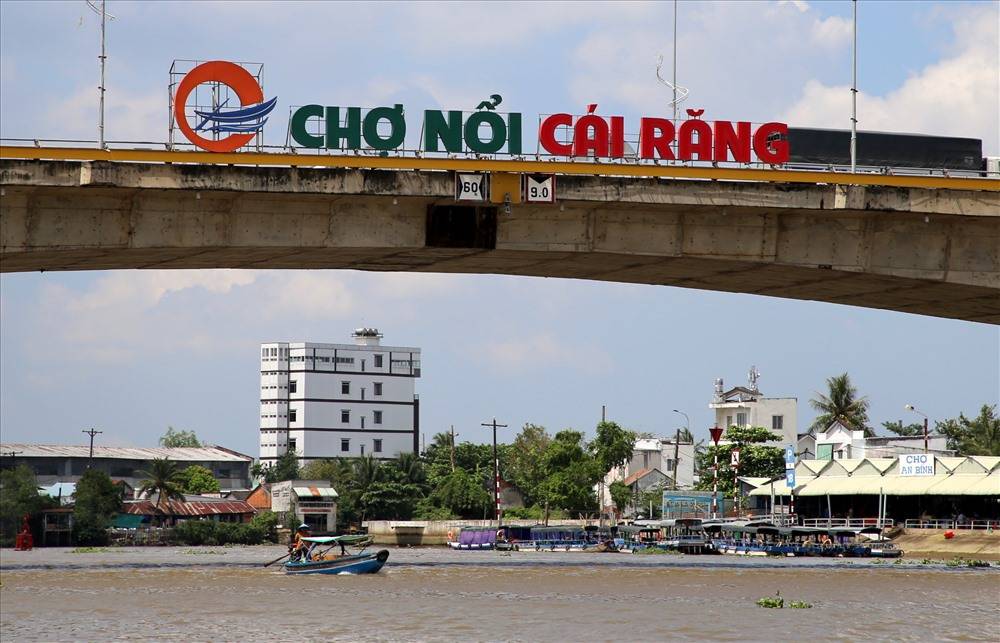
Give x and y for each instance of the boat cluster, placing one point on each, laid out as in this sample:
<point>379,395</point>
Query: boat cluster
<point>684,535</point>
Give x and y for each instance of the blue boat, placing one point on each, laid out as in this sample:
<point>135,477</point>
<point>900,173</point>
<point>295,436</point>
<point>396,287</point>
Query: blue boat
<point>320,562</point>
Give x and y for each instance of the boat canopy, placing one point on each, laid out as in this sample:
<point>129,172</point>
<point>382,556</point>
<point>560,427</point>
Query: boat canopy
<point>347,540</point>
<point>477,536</point>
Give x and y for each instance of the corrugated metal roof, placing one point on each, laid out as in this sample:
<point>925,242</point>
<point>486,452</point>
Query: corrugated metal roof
<point>211,507</point>
<point>201,454</point>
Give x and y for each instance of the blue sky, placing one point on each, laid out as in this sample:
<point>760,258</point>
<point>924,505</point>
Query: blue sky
<point>132,352</point>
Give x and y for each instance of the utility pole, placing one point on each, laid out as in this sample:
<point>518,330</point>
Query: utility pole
<point>677,444</point>
<point>496,466</point>
<point>453,449</point>
<point>91,432</point>
<point>11,454</point>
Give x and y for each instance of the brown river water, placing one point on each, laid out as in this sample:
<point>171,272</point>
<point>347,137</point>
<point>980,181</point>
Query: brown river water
<point>223,594</point>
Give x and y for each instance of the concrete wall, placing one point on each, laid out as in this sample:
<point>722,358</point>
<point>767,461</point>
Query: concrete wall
<point>925,251</point>
<point>435,532</point>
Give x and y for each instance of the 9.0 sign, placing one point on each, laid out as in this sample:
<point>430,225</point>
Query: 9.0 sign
<point>539,188</point>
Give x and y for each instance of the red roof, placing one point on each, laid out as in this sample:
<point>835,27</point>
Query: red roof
<point>638,475</point>
<point>189,508</point>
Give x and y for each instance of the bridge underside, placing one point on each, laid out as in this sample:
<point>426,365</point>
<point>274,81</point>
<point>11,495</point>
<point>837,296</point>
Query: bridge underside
<point>908,250</point>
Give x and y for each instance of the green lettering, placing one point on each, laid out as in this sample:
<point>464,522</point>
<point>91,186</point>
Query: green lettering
<point>298,126</point>
<point>514,133</point>
<point>449,133</point>
<point>335,132</point>
<point>498,132</point>
<point>394,115</point>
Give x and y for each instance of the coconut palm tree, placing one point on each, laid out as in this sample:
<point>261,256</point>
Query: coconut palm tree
<point>163,478</point>
<point>841,404</point>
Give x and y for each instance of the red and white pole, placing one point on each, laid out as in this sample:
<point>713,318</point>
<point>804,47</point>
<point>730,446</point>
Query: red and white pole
<point>716,433</point>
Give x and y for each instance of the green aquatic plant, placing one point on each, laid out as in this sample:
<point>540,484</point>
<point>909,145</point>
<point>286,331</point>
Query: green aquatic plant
<point>771,602</point>
<point>654,551</point>
<point>800,605</point>
<point>898,561</point>
<point>88,550</point>
<point>954,562</point>
<point>977,563</point>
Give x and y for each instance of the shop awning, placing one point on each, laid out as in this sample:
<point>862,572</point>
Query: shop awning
<point>315,492</point>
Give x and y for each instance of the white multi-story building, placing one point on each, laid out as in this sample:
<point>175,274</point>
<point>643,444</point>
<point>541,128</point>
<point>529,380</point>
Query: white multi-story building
<point>338,400</point>
<point>743,406</point>
<point>663,459</point>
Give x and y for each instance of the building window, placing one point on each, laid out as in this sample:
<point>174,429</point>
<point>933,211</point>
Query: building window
<point>345,388</point>
<point>741,419</point>
<point>729,421</point>
<point>345,444</point>
<point>291,415</point>
<point>377,417</point>
<point>377,446</point>
<point>670,465</point>
<point>378,387</point>
<point>345,416</point>
<point>292,387</point>
<point>291,444</point>
<point>378,361</point>
<point>777,422</point>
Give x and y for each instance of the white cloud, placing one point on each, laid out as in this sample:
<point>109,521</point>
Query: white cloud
<point>128,116</point>
<point>831,32</point>
<point>309,295</point>
<point>528,354</point>
<point>957,96</point>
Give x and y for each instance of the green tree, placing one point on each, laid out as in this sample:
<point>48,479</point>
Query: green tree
<point>841,404</point>
<point>611,447</point>
<point>756,459</point>
<point>571,473</point>
<point>462,495</point>
<point>286,467</point>
<point>18,497</point>
<point>621,495</point>
<point>163,479</point>
<point>973,436</point>
<point>197,479</point>
<point>524,464</point>
<point>899,428</point>
<point>174,438</point>
<point>96,501</point>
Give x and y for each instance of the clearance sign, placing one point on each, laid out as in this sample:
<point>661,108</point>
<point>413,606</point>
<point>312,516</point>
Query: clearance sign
<point>484,131</point>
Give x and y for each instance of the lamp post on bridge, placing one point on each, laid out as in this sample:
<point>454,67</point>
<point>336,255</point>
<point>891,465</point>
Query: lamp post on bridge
<point>677,444</point>
<point>716,433</point>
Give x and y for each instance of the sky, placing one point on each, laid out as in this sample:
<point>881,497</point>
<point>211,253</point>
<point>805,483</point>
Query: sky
<point>132,352</point>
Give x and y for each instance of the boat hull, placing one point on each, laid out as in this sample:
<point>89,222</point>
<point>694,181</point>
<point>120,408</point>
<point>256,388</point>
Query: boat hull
<point>358,564</point>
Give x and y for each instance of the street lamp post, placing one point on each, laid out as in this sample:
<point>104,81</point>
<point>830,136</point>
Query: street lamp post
<point>910,407</point>
<point>716,433</point>
<point>496,467</point>
<point>677,444</point>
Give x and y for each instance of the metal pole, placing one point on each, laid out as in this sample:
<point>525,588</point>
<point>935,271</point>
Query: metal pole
<point>453,448</point>
<point>925,434</point>
<point>677,441</point>
<point>100,125</point>
<point>674,83</point>
<point>854,88</point>
<point>496,467</point>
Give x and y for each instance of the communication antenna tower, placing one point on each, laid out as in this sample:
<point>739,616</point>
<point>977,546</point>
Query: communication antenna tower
<point>680,93</point>
<point>105,16</point>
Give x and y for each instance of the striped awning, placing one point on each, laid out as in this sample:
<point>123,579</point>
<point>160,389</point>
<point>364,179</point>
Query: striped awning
<point>315,492</point>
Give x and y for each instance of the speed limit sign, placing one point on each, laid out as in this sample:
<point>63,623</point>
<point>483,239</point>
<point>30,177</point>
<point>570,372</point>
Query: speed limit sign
<point>471,187</point>
<point>540,188</point>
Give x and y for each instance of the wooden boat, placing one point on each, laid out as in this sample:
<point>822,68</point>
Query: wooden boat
<point>320,562</point>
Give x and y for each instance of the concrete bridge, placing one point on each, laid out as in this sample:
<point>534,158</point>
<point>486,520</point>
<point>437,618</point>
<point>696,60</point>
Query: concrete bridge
<point>931,251</point>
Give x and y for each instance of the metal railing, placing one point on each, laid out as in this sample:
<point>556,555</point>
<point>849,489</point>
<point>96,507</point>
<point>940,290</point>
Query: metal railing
<point>850,523</point>
<point>935,523</point>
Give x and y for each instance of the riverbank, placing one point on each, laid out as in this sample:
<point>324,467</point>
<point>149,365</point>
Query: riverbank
<point>931,543</point>
<point>54,558</point>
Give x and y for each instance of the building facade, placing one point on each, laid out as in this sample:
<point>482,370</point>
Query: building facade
<point>840,442</point>
<point>53,464</point>
<point>663,455</point>
<point>314,503</point>
<point>747,406</point>
<point>339,400</point>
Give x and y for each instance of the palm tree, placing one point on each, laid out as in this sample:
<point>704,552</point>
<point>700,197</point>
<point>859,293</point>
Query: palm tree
<point>842,404</point>
<point>412,468</point>
<point>163,478</point>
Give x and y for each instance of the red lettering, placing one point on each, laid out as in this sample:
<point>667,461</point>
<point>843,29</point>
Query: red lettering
<point>590,133</point>
<point>770,143</point>
<point>547,134</point>
<point>655,137</point>
<point>688,147</point>
<point>617,137</point>
<point>729,140</point>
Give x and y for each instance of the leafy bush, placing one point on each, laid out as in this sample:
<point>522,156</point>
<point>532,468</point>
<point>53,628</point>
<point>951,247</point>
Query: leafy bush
<point>800,605</point>
<point>771,602</point>
<point>208,532</point>
<point>267,522</point>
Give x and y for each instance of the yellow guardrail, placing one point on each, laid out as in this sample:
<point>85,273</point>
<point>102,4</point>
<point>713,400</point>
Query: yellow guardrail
<point>496,165</point>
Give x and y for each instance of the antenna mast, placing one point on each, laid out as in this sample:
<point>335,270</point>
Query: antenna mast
<point>103,58</point>
<point>854,91</point>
